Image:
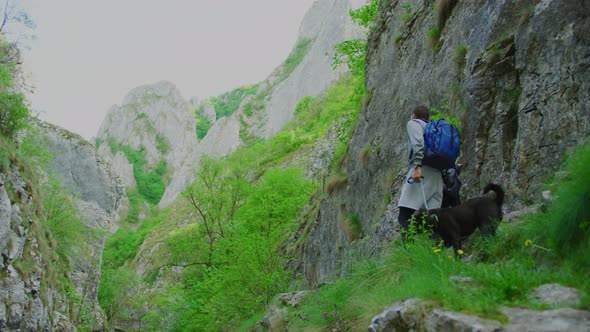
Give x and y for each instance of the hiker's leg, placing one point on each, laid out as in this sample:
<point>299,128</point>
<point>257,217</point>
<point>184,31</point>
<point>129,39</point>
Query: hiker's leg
<point>404,219</point>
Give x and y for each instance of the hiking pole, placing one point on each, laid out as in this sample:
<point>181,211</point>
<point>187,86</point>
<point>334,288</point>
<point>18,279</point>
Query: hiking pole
<point>411,181</point>
<point>424,196</point>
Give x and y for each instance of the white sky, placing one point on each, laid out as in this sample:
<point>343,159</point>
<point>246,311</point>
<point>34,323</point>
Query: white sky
<point>89,54</point>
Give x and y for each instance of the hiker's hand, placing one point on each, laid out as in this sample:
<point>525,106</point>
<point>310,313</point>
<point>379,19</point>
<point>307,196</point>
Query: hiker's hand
<point>417,174</point>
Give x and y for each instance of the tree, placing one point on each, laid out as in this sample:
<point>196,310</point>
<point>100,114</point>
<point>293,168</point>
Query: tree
<point>214,198</point>
<point>12,14</point>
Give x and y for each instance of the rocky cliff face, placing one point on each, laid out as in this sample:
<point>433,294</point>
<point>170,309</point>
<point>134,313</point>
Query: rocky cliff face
<point>326,24</point>
<point>31,297</point>
<point>517,79</point>
<point>156,118</point>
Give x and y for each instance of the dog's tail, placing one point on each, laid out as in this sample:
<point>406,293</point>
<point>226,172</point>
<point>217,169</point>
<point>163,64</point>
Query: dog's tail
<point>499,193</point>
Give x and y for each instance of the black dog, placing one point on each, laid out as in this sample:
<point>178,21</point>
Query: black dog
<point>456,223</point>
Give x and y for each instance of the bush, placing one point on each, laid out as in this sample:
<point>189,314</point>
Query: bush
<point>63,220</point>
<point>570,212</point>
<point>202,125</point>
<point>229,102</point>
<point>14,113</point>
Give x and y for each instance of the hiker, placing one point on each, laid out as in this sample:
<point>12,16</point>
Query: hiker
<point>422,183</point>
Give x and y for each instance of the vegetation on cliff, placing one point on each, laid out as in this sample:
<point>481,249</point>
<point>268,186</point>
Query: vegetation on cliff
<point>544,247</point>
<point>54,233</point>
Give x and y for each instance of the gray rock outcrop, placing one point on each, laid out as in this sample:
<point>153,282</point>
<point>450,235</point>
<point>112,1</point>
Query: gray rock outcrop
<point>27,299</point>
<point>414,315</point>
<point>156,118</point>
<point>80,169</point>
<point>521,92</point>
<point>556,294</point>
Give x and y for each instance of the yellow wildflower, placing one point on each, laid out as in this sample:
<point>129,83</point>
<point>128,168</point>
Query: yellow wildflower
<point>460,252</point>
<point>528,243</point>
<point>437,250</point>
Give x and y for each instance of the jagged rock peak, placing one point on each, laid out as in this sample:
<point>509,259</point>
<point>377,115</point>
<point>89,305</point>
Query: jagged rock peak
<point>147,111</point>
<point>154,117</point>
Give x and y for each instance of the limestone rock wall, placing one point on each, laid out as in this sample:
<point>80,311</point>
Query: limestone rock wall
<point>154,117</point>
<point>521,92</point>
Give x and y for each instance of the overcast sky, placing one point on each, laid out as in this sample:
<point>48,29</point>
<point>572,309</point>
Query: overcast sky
<point>89,54</point>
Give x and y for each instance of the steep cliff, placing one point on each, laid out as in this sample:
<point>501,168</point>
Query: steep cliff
<point>326,24</point>
<point>516,76</point>
<point>156,120</point>
<point>44,286</point>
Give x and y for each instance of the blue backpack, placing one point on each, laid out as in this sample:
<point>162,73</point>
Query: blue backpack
<point>441,144</point>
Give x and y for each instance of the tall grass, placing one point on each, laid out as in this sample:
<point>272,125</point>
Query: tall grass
<point>570,212</point>
<point>545,247</point>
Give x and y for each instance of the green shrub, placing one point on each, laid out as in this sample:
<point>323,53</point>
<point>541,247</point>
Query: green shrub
<point>229,102</point>
<point>63,220</point>
<point>366,15</point>
<point>14,112</point>
<point>434,40</point>
<point>203,124</point>
<point>570,212</point>
<point>151,184</point>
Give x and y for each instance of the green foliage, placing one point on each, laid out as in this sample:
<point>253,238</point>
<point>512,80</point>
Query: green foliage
<point>113,294</point>
<point>214,198</point>
<point>150,184</point>
<point>203,124</point>
<point>409,12</point>
<point>136,203</point>
<point>365,16</point>
<point>113,145</point>
<point>162,144</point>
<point>436,114</point>
<point>312,119</point>
<point>248,272</point>
<point>570,212</point>
<point>459,57</point>
<point>352,52</point>
<point>434,40</point>
<point>229,102</point>
<point>63,220</point>
<point>4,161</point>
<point>545,247</point>
<point>14,112</point>
<point>303,104</point>
<point>117,279</point>
<point>97,142</point>
<point>294,59</point>
<point>141,116</point>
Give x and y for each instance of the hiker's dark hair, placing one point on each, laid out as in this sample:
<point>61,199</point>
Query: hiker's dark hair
<point>422,112</point>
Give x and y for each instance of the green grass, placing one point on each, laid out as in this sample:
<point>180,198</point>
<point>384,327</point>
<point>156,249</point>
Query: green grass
<point>434,41</point>
<point>545,247</point>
